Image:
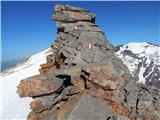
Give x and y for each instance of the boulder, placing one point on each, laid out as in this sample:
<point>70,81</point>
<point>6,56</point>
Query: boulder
<point>70,14</point>
<point>37,86</point>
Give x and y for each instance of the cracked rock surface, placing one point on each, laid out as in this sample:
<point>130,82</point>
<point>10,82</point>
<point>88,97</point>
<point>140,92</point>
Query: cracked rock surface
<point>83,79</point>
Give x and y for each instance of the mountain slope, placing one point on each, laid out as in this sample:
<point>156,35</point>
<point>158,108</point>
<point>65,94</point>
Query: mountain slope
<point>143,61</point>
<point>11,104</point>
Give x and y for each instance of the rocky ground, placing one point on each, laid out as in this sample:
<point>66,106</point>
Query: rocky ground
<point>83,79</point>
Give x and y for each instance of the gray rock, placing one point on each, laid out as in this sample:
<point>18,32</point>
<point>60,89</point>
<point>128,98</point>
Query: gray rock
<point>90,108</point>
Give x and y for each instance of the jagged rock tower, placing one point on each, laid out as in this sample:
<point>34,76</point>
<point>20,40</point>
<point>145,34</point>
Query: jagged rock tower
<point>82,79</point>
<point>79,40</point>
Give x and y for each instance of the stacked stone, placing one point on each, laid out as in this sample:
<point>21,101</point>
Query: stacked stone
<point>79,40</point>
<point>83,79</point>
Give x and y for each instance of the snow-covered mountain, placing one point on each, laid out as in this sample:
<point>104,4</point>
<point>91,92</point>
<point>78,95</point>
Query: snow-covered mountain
<point>143,61</point>
<point>12,107</point>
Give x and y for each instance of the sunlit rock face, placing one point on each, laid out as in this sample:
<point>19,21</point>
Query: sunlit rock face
<point>83,78</point>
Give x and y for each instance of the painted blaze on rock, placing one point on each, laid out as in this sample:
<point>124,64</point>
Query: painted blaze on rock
<point>82,78</point>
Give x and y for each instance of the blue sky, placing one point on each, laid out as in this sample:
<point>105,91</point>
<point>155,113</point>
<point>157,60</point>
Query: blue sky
<point>27,27</point>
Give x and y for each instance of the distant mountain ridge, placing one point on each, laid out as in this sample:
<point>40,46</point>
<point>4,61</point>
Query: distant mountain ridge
<point>143,61</point>
<point>6,64</point>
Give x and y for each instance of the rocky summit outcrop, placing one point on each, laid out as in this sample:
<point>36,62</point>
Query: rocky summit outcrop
<point>83,79</point>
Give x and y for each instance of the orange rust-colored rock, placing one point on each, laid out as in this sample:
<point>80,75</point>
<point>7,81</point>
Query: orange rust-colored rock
<point>43,115</point>
<point>59,8</point>
<point>33,116</point>
<point>46,70</point>
<point>117,107</point>
<point>67,106</point>
<point>79,84</point>
<point>36,105</point>
<point>106,95</point>
<point>103,73</point>
<point>35,86</point>
<point>45,65</point>
<point>103,76</point>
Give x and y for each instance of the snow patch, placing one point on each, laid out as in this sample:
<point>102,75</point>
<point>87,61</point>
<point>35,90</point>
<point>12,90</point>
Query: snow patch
<point>13,107</point>
<point>140,75</point>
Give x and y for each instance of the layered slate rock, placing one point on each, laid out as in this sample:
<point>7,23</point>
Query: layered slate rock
<point>83,79</point>
<point>69,14</point>
<point>37,86</point>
